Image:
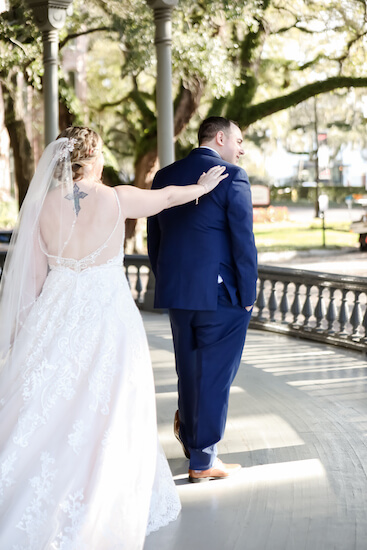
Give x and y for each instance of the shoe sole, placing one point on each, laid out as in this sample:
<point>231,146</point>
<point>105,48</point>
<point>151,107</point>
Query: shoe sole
<point>204,479</point>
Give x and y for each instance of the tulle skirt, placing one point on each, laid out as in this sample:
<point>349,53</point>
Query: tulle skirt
<point>80,464</point>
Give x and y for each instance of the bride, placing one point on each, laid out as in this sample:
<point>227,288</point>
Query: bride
<point>80,463</point>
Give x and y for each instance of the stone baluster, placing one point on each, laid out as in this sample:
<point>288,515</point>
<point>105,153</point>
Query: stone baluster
<point>343,316</point>
<point>307,307</point>
<point>331,311</point>
<point>356,316</point>
<point>296,305</point>
<point>364,325</point>
<point>320,310</point>
<point>272,304</point>
<point>260,301</point>
<point>138,285</point>
<point>284,307</point>
<point>127,273</point>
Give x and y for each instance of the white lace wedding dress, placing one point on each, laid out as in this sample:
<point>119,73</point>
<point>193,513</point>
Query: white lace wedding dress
<point>79,457</point>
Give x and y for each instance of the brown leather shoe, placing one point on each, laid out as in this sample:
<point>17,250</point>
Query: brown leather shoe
<point>219,470</point>
<point>176,429</point>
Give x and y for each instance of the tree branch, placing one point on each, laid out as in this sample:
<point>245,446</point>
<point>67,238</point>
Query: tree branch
<point>351,42</point>
<point>82,33</point>
<point>103,106</point>
<point>148,115</point>
<point>187,103</point>
<point>257,112</point>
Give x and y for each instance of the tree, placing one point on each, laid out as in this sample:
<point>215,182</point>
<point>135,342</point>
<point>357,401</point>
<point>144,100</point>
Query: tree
<point>235,63</point>
<point>247,61</point>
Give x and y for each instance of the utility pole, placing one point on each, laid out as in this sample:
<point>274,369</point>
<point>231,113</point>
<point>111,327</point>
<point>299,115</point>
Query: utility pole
<point>317,172</point>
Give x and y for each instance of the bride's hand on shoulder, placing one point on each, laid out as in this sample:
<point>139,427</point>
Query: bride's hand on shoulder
<point>138,203</point>
<point>210,179</point>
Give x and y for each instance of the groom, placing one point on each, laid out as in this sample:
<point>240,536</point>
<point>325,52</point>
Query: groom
<point>203,256</point>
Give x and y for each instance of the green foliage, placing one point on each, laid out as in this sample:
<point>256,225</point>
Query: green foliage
<point>252,60</point>
<point>20,44</point>
<point>8,213</point>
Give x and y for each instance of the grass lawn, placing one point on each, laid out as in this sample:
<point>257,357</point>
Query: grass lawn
<point>286,235</point>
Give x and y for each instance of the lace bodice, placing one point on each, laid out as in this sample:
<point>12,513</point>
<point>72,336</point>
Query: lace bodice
<point>89,261</point>
<point>78,265</point>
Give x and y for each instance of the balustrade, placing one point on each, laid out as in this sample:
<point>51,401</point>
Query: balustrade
<point>324,307</point>
<point>140,278</point>
<point>319,306</point>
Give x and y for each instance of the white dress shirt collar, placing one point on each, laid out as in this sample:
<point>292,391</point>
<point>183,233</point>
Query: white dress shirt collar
<point>210,148</point>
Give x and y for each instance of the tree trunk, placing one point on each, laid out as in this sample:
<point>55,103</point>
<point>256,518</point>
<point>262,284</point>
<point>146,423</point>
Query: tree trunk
<point>20,144</point>
<point>186,104</point>
<point>145,168</point>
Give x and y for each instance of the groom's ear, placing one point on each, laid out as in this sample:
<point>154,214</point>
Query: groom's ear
<point>219,138</point>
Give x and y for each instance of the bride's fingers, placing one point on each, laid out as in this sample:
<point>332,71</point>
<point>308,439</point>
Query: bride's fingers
<point>215,169</point>
<point>212,177</point>
<point>214,172</point>
<point>216,177</point>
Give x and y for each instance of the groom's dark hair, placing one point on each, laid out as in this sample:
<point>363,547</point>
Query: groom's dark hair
<point>211,126</point>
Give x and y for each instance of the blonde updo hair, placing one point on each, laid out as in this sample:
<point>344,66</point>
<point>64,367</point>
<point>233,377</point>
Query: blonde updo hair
<point>86,150</point>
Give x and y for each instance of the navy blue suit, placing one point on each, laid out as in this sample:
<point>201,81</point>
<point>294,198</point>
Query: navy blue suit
<point>189,246</point>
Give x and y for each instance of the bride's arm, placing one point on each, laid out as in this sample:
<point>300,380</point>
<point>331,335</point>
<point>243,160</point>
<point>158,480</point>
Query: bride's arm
<point>141,203</point>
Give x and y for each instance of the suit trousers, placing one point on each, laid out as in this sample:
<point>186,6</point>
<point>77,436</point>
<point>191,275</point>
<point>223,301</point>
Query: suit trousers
<point>208,348</point>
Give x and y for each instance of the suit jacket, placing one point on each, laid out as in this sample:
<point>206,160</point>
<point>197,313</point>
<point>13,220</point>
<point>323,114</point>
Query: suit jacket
<point>190,245</point>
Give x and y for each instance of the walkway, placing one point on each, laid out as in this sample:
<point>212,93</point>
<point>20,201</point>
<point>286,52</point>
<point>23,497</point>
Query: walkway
<point>298,425</point>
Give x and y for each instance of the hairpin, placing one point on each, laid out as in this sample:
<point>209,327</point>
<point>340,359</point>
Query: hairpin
<point>67,148</point>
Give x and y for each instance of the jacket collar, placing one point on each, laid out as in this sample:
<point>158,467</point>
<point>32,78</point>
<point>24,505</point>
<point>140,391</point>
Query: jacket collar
<point>205,151</point>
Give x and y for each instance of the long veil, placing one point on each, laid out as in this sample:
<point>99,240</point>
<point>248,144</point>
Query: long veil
<point>25,267</point>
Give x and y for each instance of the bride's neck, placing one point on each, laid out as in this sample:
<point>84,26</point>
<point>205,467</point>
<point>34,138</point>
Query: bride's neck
<point>90,181</point>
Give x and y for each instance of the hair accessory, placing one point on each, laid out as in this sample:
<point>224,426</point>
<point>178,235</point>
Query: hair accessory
<point>67,148</point>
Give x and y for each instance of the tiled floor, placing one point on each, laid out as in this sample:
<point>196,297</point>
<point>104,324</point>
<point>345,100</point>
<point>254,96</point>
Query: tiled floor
<point>298,425</point>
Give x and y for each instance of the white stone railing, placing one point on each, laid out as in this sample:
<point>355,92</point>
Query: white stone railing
<point>318,306</point>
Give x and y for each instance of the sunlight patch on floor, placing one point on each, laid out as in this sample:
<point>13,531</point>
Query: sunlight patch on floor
<point>285,472</point>
<point>316,382</point>
<point>281,371</point>
<point>262,431</point>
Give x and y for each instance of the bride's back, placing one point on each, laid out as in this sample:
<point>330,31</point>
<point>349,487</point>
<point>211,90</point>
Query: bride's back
<point>78,225</point>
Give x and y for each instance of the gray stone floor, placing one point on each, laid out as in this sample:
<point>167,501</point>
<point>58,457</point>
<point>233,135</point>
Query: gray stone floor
<point>297,424</point>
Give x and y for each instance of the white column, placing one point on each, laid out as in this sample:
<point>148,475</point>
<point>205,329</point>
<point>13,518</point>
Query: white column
<point>50,84</point>
<point>163,41</point>
<point>50,16</point>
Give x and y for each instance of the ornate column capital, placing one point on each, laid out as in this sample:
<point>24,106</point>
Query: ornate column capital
<point>162,17</point>
<point>49,15</point>
<point>159,4</point>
